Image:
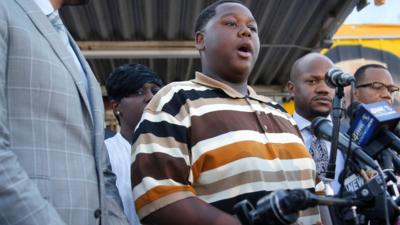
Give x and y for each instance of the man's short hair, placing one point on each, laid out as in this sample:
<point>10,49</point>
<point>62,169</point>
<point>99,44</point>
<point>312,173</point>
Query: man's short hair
<point>129,78</point>
<point>359,74</point>
<point>209,12</point>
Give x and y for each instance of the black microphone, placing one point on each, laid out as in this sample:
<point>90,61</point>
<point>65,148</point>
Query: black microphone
<point>322,128</point>
<point>335,77</point>
<point>351,111</point>
<point>373,122</point>
<point>372,128</point>
<point>282,207</point>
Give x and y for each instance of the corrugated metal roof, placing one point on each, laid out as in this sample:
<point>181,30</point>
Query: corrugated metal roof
<point>287,28</point>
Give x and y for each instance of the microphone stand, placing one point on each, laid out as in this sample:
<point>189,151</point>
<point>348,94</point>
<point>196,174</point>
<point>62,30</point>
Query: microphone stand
<point>387,158</point>
<point>337,112</point>
<point>282,207</point>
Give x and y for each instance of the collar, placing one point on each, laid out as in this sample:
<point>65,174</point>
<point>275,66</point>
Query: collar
<point>303,122</point>
<point>123,140</point>
<point>45,6</point>
<point>205,80</point>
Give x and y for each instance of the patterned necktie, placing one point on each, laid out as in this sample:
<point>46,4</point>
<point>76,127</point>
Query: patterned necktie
<point>320,155</point>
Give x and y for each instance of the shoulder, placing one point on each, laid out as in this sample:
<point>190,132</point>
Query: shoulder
<point>113,142</point>
<point>4,5</point>
<point>276,110</point>
<point>4,12</point>
<point>177,94</point>
<point>12,9</point>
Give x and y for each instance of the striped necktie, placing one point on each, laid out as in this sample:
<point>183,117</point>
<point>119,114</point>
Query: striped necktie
<point>58,25</point>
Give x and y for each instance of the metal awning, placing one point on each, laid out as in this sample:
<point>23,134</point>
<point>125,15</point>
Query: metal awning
<point>159,34</point>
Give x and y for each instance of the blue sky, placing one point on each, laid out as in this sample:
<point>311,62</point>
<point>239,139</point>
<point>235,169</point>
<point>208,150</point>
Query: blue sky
<point>389,13</point>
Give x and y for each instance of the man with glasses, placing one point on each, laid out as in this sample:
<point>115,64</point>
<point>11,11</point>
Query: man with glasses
<point>374,83</point>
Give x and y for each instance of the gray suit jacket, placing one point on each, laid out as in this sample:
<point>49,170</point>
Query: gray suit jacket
<point>53,161</point>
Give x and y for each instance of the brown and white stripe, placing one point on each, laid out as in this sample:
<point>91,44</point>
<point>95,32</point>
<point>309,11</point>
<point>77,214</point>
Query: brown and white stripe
<point>201,138</point>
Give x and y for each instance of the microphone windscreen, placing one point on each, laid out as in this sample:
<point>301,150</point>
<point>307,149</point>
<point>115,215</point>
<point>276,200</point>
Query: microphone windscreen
<point>351,111</point>
<point>317,125</point>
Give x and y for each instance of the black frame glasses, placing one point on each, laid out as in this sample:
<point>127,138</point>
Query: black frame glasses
<point>379,86</point>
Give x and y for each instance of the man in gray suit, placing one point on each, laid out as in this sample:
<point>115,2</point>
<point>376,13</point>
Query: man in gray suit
<point>53,163</point>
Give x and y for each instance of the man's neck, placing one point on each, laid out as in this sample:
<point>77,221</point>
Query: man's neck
<point>56,4</point>
<point>239,87</point>
<point>301,121</point>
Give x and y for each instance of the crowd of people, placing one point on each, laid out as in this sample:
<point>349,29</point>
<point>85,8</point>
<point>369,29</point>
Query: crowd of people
<point>186,152</point>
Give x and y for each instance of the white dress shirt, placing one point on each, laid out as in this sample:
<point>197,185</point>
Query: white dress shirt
<point>119,151</point>
<point>45,6</point>
<point>303,123</point>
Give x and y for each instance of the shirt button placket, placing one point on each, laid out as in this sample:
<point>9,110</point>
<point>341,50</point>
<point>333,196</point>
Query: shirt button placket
<point>259,115</point>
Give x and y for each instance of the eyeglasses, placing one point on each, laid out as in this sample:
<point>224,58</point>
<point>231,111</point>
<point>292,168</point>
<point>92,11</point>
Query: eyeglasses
<point>380,86</point>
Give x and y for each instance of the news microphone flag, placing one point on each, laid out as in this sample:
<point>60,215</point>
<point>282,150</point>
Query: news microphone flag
<point>370,119</point>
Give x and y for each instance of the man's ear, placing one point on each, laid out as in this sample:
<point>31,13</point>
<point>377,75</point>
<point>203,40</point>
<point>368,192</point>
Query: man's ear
<point>290,87</point>
<point>356,94</point>
<point>199,38</point>
<point>115,107</point>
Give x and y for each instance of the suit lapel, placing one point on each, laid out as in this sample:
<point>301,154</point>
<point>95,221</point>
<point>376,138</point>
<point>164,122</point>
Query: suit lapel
<point>50,34</point>
<point>87,96</point>
<point>95,100</point>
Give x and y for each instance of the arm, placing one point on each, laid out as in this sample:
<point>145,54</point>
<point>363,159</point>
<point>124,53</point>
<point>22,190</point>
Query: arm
<point>113,199</point>
<point>113,203</point>
<point>20,200</point>
<point>190,211</point>
<point>110,179</point>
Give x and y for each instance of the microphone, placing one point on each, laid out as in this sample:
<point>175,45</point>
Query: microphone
<point>335,77</point>
<point>282,207</point>
<point>351,111</point>
<point>372,129</point>
<point>322,128</point>
<point>374,122</point>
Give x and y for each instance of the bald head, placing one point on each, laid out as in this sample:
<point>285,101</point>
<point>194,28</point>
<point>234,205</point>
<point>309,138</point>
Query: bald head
<point>312,97</point>
<point>307,63</point>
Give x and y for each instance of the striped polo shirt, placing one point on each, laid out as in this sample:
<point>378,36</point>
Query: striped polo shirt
<point>202,138</point>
